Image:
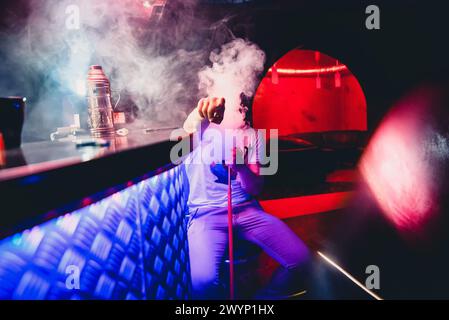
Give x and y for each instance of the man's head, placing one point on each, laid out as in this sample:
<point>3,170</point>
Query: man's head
<point>246,108</point>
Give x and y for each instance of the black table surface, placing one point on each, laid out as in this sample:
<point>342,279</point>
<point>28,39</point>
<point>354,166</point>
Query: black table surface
<point>38,157</point>
<point>46,179</point>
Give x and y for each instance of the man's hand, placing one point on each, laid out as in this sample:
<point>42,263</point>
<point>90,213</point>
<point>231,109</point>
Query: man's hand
<point>212,108</point>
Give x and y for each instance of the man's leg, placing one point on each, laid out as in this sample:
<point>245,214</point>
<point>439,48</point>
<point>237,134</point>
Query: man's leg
<point>208,239</point>
<point>280,242</point>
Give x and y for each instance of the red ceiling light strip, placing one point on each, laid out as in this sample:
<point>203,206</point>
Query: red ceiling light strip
<point>284,71</point>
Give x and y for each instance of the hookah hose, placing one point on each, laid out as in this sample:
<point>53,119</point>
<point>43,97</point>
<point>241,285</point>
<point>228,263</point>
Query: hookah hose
<point>230,238</point>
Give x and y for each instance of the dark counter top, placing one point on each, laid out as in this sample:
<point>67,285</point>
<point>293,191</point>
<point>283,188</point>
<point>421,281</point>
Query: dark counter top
<point>37,157</point>
<point>46,179</point>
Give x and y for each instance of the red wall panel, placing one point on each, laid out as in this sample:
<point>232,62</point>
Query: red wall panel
<point>296,105</point>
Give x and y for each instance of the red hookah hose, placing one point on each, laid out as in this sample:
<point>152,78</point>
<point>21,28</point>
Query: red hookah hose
<point>230,238</point>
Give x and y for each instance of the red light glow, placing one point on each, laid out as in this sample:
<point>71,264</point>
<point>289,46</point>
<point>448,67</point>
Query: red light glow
<point>86,201</point>
<point>312,71</point>
<point>298,206</point>
<point>308,91</point>
<point>396,170</point>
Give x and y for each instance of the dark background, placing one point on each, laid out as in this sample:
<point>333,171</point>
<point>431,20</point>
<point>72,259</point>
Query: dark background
<point>408,50</point>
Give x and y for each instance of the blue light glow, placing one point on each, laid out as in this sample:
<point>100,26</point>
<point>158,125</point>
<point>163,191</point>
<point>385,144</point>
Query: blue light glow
<point>116,243</point>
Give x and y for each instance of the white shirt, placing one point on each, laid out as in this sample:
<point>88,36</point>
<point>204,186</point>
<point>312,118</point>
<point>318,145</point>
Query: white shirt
<point>208,178</point>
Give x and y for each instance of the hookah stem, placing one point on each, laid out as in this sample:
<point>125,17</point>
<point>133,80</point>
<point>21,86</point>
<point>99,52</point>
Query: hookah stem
<point>230,238</point>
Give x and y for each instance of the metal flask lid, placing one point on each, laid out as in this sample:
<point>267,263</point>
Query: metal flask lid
<point>97,81</point>
<point>100,109</point>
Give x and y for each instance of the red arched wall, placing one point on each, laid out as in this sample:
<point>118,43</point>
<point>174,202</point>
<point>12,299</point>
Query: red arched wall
<point>296,105</point>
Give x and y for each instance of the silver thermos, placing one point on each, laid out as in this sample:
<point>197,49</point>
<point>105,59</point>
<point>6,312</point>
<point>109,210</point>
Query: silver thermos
<point>100,111</point>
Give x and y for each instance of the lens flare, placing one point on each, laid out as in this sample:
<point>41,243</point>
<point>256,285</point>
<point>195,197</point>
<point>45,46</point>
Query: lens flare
<point>396,166</point>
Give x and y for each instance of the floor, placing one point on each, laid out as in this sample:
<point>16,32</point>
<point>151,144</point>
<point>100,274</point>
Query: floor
<point>312,217</point>
<point>326,281</point>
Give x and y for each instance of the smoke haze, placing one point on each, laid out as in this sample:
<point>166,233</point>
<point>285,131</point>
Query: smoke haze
<point>234,70</point>
<point>160,65</point>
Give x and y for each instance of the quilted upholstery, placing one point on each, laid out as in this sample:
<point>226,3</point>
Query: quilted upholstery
<point>131,245</point>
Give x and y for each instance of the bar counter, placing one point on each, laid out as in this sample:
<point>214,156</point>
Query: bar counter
<point>94,222</point>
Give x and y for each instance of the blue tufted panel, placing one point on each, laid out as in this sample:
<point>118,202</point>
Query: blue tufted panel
<point>131,245</point>
<point>163,207</point>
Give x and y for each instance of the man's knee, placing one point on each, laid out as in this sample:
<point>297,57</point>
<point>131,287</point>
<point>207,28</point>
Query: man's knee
<point>300,258</point>
<point>297,254</point>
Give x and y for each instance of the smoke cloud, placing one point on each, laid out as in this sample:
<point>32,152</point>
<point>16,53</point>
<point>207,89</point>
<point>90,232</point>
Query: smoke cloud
<point>158,65</point>
<point>235,69</point>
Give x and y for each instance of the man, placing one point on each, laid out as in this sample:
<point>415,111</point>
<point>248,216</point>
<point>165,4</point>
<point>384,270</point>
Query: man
<point>206,169</point>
